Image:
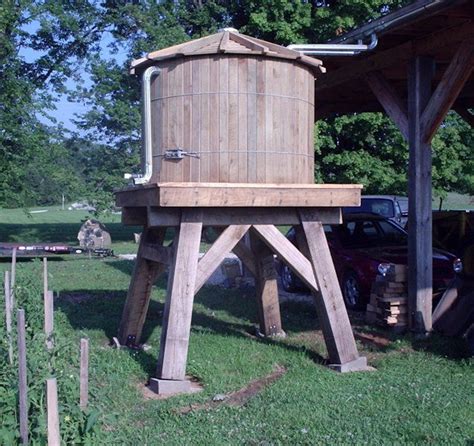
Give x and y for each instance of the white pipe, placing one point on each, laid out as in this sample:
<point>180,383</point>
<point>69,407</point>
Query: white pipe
<point>335,49</point>
<point>147,124</point>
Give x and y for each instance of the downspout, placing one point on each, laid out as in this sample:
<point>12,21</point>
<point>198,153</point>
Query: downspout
<point>145,178</point>
<point>330,49</point>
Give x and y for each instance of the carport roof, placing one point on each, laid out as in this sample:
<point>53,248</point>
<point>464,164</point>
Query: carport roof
<point>432,28</point>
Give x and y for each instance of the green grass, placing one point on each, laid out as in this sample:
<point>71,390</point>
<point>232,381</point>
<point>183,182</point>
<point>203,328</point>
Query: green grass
<point>420,394</point>
<point>455,201</point>
<point>56,225</point>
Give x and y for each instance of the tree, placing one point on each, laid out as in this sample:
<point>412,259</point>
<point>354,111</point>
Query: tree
<point>41,45</point>
<point>65,36</point>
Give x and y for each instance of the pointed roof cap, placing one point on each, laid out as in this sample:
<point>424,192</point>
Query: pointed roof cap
<point>227,41</point>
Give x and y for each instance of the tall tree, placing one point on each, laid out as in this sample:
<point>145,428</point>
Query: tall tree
<point>41,46</point>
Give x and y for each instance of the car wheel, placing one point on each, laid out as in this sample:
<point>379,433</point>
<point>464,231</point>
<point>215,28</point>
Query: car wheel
<point>351,291</point>
<point>287,279</point>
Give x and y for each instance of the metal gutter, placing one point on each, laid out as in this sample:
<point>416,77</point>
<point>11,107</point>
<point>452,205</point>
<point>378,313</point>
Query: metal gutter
<point>325,49</point>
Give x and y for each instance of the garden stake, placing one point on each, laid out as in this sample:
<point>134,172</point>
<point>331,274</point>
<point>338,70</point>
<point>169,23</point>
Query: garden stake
<point>8,314</point>
<point>49,318</point>
<point>22,384</point>
<point>13,277</point>
<point>84,374</point>
<point>45,276</point>
<point>52,409</point>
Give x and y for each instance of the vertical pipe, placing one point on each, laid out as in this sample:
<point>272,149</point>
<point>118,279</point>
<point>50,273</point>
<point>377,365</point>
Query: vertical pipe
<point>147,124</point>
<point>22,382</point>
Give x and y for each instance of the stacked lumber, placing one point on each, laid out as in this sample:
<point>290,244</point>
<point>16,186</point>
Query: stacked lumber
<point>388,304</point>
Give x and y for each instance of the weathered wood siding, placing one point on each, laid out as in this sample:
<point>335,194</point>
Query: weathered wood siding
<point>250,120</point>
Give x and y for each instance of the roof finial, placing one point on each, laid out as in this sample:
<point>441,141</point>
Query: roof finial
<point>230,30</point>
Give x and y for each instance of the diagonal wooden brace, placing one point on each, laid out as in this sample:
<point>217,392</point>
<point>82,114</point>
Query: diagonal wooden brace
<point>332,313</point>
<point>144,276</point>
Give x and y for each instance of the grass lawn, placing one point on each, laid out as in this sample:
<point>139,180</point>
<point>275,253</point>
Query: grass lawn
<point>56,225</point>
<point>455,201</point>
<point>421,393</point>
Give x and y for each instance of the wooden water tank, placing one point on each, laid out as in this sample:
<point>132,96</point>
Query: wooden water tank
<point>232,109</point>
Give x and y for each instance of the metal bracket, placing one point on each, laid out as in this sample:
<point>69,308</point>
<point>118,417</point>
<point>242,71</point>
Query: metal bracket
<point>178,154</point>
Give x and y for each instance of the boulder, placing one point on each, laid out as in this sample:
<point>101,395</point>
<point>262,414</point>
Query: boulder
<point>93,234</point>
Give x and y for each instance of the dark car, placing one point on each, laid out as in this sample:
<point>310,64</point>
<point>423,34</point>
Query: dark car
<point>392,207</point>
<point>364,246</point>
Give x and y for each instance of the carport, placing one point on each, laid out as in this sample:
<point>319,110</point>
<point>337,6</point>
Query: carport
<point>420,69</point>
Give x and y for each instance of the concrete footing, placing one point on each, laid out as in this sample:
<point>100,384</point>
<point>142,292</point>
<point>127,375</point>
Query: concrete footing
<point>357,365</point>
<point>168,386</point>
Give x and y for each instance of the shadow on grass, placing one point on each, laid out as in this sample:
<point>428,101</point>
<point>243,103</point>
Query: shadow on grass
<point>455,348</point>
<point>236,315</point>
<point>102,310</point>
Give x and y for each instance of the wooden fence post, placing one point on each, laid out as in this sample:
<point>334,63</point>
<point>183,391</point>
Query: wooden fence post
<point>49,318</point>
<point>8,314</point>
<point>13,277</point>
<point>53,415</point>
<point>84,375</point>
<point>22,383</point>
<point>45,275</point>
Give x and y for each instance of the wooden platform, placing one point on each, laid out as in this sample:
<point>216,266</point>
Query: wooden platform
<point>228,208</point>
<point>239,195</point>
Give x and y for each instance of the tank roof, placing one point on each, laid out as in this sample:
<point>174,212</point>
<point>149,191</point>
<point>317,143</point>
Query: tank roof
<point>227,41</point>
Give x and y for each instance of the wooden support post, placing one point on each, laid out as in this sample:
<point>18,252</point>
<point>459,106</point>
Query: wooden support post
<point>8,314</point>
<point>54,438</point>
<point>332,313</point>
<point>22,378</point>
<point>49,318</point>
<point>179,302</point>
<point>420,250</point>
<point>266,289</point>
<point>84,375</point>
<point>144,276</point>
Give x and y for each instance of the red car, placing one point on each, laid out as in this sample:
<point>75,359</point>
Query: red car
<point>364,246</point>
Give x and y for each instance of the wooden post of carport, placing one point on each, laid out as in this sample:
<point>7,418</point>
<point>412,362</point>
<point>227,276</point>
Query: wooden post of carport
<point>420,240</point>
<point>426,112</point>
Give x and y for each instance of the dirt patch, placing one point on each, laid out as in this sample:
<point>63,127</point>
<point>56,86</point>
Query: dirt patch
<point>240,397</point>
<point>372,339</point>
